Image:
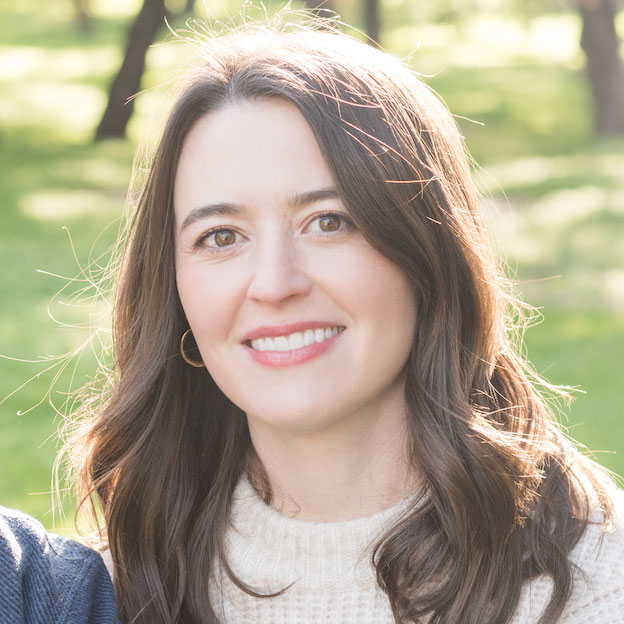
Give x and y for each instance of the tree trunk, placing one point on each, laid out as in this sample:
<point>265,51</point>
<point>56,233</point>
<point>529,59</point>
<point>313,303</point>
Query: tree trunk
<point>83,15</point>
<point>605,71</point>
<point>321,8</point>
<point>371,20</point>
<point>127,83</point>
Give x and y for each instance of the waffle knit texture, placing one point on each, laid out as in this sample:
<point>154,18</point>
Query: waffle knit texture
<point>332,580</point>
<point>48,579</point>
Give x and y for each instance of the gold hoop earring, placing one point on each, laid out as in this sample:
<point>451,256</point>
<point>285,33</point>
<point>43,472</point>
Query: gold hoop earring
<point>185,357</point>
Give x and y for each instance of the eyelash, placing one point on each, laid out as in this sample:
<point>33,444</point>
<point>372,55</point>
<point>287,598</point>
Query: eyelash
<point>206,235</point>
<point>347,224</point>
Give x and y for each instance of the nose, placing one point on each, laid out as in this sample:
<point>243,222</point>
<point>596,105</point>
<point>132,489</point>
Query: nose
<point>278,273</point>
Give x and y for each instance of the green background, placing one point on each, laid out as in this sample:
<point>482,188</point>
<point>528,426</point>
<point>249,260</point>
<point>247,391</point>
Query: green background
<point>554,196</point>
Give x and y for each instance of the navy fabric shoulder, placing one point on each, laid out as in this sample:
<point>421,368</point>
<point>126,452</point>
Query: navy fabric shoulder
<point>48,579</point>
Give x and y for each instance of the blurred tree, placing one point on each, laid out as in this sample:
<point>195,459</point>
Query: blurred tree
<point>83,15</point>
<point>371,20</point>
<point>605,71</point>
<point>527,10</point>
<point>127,82</point>
<point>318,6</point>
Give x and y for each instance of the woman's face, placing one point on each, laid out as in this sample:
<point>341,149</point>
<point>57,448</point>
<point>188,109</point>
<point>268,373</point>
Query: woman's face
<point>300,322</point>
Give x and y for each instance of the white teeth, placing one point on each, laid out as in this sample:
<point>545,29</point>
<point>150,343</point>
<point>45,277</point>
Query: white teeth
<point>295,340</point>
<point>308,336</point>
<point>281,343</point>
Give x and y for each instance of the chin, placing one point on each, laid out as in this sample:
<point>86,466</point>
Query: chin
<point>295,421</point>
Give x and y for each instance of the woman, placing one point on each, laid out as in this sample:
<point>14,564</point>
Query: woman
<point>318,414</point>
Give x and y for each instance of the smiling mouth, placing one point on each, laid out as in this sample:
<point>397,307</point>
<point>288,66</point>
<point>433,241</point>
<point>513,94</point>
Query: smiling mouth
<point>296,340</point>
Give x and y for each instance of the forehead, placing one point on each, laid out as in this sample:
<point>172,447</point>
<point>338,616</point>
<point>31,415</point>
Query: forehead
<point>248,152</point>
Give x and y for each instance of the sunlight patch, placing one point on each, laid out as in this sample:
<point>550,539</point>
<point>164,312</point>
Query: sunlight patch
<point>67,64</point>
<point>67,107</point>
<point>554,37</point>
<point>55,205</point>
<point>115,8</point>
<point>18,62</point>
<point>569,206</point>
<point>517,172</point>
<point>614,286</point>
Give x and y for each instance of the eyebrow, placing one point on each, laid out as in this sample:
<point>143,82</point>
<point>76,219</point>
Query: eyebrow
<point>231,209</point>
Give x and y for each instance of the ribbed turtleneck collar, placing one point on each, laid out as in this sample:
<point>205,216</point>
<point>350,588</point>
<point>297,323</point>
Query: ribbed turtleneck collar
<point>270,551</point>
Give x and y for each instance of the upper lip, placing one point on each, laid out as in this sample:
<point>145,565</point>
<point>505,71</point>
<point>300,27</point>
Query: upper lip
<point>287,328</point>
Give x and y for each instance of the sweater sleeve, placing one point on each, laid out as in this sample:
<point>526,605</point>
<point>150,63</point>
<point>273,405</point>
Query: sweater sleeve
<point>599,595</point>
<point>598,584</point>
<point>607,606</point>
<point>45,578</point>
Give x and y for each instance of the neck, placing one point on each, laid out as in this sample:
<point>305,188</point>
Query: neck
<point>344,472</point>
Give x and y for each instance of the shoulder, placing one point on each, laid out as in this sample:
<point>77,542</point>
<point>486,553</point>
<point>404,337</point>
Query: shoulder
<point>108,562</point>
<point>598,582</point>
<point>599,587</point>
<point>49,578</point>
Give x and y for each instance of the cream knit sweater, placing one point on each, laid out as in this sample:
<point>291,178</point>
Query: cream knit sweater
<point>333,582</point>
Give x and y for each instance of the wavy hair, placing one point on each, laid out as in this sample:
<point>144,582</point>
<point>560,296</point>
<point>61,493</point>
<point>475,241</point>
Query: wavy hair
<point>506,496</point>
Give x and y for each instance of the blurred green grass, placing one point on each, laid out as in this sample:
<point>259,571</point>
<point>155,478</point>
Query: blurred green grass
<point>555,199</point>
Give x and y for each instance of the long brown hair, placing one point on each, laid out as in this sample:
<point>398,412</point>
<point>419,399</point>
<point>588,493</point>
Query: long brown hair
<point>506,497</point>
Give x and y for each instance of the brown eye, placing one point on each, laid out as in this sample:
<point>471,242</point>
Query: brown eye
<point>329,223</point>
<point>223,238</point>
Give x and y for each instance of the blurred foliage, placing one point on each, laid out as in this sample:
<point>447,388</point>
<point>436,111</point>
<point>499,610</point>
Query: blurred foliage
<point>555,199</point>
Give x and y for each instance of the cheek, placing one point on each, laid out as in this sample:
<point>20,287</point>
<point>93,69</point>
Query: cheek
<point>209,297</point>
<point>376,289</point>
<point>392,309</point>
